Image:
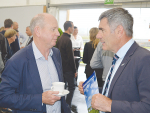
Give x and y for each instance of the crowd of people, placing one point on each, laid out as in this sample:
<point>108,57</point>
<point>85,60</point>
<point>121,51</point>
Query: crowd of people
<point>122,67</point>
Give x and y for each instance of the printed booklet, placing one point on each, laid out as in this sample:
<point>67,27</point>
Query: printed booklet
<point>90,87</point>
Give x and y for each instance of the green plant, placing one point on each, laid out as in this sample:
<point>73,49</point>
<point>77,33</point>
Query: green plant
<point>60,32</point>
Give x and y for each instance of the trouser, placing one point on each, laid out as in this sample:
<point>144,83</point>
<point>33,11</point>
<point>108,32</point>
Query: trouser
<point>77,53</point>
<point>99,73</point>
<point>100,82</point>
<point>69,79</point>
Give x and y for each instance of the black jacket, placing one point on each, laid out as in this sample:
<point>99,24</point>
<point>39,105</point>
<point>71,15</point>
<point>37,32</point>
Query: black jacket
<point>3,47</point>
<point>64,44</point>
<point>87,55</point>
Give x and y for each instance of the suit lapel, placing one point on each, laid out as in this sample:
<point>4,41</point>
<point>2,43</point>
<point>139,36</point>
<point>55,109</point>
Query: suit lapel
<point>122,66</point>
<point>57,65</point>
<point>33,70</point>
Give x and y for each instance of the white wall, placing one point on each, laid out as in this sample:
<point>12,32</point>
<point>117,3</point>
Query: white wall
<point>62,19</point>
<point>81,2</point>
<point>7,3</point>
<point>73,1</point>
<point>22,15</point>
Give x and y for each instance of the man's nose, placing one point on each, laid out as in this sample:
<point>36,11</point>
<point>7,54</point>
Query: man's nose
<point>99,36</point>
<point>57,33</point>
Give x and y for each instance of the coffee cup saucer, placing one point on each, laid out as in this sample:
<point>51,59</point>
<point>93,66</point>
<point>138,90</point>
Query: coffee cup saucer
<point>65,92</point>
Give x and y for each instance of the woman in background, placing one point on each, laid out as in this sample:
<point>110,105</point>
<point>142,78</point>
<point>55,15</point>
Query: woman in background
<point>89,49</point>
<point>2,28</point>
<point>10,35</point>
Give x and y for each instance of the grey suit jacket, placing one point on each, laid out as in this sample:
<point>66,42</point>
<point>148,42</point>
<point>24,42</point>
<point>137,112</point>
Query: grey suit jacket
<point>130,87</point>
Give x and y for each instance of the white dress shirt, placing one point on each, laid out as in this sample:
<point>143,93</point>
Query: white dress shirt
<point>121,53</point>
<point>48,75</point>
<point>22,38</point>
<point>78,42</point>
<point>28,40</point>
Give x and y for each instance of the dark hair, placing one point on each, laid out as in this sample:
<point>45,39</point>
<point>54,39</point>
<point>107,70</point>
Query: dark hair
<point>67,24</point>
<point>75,27</point>
<point>8,23</point>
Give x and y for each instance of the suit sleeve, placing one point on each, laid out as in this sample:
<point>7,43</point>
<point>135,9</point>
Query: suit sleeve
<point>70,55</point>
<point>96,61</point>
<point>10,97</point>
<point>85,54</point>
<point>142,77</point>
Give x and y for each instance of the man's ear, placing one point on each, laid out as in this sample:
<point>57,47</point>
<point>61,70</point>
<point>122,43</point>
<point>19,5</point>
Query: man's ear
<point>69,29</point>
<point>119,31</point>
<point>12,26</point>
<point>37,31</point>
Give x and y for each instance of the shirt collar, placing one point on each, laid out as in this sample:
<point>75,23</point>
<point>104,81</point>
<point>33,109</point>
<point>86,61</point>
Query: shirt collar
<point>67,34</point>
<point>30,37</point>
<point>73,37</point>
<point>37,53</point>
<point>123,50</point>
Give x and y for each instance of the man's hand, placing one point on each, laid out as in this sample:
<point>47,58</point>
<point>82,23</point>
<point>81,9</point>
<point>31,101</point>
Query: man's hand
<point>75,75</point>
<point>80,87</point>
<point>74,49</point>
<point>101,102</point>
<point>22,47</point>
<point>48,97</point>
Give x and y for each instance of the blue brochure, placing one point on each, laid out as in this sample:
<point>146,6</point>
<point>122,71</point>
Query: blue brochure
<point>90,87</point>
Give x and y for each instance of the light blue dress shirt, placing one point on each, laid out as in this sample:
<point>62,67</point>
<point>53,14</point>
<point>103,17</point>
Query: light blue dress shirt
<point>121,53</point>
<point>48,75</point>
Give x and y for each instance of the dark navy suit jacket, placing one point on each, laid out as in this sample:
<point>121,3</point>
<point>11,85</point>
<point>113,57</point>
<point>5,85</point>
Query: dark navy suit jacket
<point>130,87</point>
<point>21,88</point>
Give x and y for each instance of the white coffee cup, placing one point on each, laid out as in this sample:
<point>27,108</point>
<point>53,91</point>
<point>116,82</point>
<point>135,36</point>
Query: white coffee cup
<point>58,86</point>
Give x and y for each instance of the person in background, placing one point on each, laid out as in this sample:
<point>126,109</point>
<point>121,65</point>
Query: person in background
<point>28,75</point>
<point>21,37</point>
<point>64,44</point>
<point>77,45</point>
<point>30,39</point>
<point>3,53</point>
<point>3,47</point>
<point>8,23</point>
<point>126,89</point>
<point>102,59</point>
<point>89,49</point>
<point>29,33</point>
<point>2,28</point>
<point>10,35</point>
